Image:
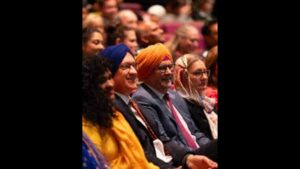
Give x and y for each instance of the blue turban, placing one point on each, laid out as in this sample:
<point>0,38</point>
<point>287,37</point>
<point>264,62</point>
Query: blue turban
<point>115,55</point>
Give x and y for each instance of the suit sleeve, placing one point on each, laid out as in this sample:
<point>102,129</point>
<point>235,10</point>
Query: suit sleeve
<point>175,147</point>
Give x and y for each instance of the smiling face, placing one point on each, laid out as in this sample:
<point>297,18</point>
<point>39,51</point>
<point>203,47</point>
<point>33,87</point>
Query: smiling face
<point>93,45</point>
<point>162,76</point>
<point>107,85</point>
<point>126,76</point>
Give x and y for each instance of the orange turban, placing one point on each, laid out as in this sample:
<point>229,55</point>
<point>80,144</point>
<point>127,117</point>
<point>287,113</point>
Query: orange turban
<point>149,58</point>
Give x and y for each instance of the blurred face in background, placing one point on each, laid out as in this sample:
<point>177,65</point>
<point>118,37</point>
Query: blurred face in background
<point>189,41</point>
<point>129,19</point>
<point>155,33</point>
<point>109,9</point>
<point>94,21</point>
<point>130,41</point>
<point>214,34</point>
<point>207,6</point>
<point>94,45</point>
<point>211,39</point>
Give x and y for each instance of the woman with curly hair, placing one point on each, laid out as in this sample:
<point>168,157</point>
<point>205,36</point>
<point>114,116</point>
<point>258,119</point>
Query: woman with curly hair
<point>107,128</point>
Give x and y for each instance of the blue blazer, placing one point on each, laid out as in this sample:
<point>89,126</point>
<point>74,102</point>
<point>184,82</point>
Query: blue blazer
<point>163,123</point>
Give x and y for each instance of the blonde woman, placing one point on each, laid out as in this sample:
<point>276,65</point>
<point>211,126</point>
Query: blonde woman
<point>190,78</point>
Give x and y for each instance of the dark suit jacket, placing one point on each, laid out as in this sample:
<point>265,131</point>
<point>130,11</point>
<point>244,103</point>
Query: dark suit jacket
<point>141,132</point>
<point>199,118</point>
<point>163,123</point>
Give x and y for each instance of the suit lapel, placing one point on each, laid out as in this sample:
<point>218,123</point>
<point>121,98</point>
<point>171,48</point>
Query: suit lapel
<point>160,102</point>
<point>126,111</point>
<point>165,110</point>
<point>176,102</point>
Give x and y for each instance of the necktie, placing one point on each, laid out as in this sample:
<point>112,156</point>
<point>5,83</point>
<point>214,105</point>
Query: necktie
<point>139,113</point>
<point>188,138</point>
<point>149,129</point>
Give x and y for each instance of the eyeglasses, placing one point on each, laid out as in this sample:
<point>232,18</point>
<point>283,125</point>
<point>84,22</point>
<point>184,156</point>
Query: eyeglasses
<point>163,68</point>
<point>201,72</point>
<point>127,66</point>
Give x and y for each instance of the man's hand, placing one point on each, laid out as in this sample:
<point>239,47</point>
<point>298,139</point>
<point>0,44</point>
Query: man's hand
<point>200,162</point>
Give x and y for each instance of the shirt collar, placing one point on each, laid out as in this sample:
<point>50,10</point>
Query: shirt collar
<point>123,97</point>
<point>159,94</point>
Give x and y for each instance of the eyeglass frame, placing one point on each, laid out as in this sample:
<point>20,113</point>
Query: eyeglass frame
<point>127,66</point>
<point>201,72</point>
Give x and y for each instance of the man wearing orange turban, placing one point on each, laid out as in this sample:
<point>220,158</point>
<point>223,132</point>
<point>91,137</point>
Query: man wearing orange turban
<point>151,57</point>
<point>167,112</point>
